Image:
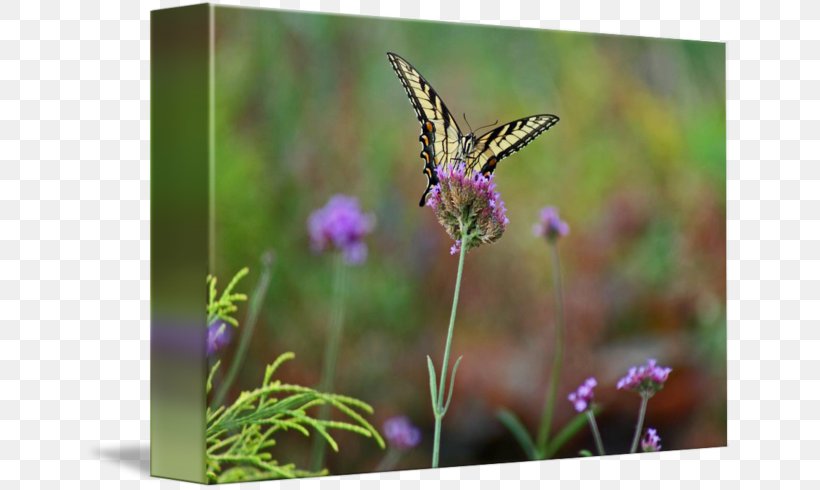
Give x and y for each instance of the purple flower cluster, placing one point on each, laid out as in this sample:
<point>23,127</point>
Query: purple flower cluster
<point>341,225</point>
<point>218,336</point>
<point>581,398</point>
<point>647,379</point>
<point>455,248</point>
<point>465,201</point>
<point>401,433</point>
<point>550,225</point>
<point>651,441</point>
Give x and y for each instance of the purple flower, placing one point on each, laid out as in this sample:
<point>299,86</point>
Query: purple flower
<point>455,248</point>
<point>219,335</point>
<point>341,225</point>
<point>651,441</point>
<point>582,397</point>
<point>646,380</point>
<point>401,433</point>
<point>550,225</point>
<point>466,202</point>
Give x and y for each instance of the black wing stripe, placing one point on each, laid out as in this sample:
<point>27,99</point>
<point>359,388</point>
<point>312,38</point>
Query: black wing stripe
<point>504,140</point>
<point>430,110</point>
<point>429,107</point>
<point>423,97</point>
<point>494,134</point>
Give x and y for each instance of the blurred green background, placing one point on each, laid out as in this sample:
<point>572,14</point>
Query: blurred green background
<point>308,106</point>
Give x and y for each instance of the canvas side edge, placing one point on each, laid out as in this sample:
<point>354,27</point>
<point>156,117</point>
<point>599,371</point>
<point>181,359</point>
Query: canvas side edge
<point>180,166</point>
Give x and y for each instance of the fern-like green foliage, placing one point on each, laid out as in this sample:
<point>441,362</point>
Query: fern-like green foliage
<point>239,437</point>
<point>222,306</point>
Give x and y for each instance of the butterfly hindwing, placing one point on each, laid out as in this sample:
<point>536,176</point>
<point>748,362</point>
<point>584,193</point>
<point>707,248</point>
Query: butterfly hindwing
<point>506,139</point>
<point>440,135</point>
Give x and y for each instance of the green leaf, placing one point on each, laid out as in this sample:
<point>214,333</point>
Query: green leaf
<point>288,424</point>
<point>321,430</point>
<point>512,422</point>
<point>585,453</point>
<point>212,415</point>
<point>354,402</point>
<point>333,424</point>
<point>567,433</point>
<point>452,385</point>
<point>287,356</point>
<point>245,450</point>
<point>433,389</point>
<point>226,293</point>
<point>239,435</point>
<point>209,383</point>
<point>360,420</point>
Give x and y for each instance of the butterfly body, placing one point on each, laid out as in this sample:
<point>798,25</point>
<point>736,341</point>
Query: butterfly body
<point>443,141</point>
<point>466,146</point>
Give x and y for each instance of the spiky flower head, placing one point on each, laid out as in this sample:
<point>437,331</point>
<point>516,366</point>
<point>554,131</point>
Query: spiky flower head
<point>581,398</point>
<point>219,335</point>
<point>341,225</point>
<point>651,441</point>
<point>550,225</point>
<point>467,206</point>
<point>401,433</point>
<point>646,380</point>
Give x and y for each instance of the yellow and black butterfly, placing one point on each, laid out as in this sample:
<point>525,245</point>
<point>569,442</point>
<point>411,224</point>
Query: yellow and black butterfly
<point>442,140</point>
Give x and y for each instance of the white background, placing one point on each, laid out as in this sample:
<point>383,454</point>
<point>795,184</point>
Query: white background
<point>74,244</point>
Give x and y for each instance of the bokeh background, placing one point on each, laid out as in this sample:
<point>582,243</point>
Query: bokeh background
<point>307,106</point>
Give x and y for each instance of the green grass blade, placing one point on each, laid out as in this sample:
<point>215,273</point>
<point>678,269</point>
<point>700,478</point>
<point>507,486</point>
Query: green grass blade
<point>452,384</point>
<point>567,433</point>
<point>514,424</point>
<point>433,389</point>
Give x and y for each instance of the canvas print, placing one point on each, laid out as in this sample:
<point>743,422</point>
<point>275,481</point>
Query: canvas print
<point>438,244</point>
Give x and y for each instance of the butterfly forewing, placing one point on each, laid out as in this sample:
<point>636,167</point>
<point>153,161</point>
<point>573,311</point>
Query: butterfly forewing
<point>440,135</point>
<point>506,139</point>
<point>429,108</point>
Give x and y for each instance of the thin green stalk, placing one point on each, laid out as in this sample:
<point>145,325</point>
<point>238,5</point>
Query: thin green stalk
<point>436,441</point>
<point>593,425</point>
<point>439,404</point>
<point>558,356</point>
<point>389,461</point>
<point>254,307</point>
<point>331,356</point>
<point>639,426</point>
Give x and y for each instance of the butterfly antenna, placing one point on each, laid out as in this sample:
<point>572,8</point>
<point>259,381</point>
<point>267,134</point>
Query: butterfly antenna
<point>464,115</point>
<point>487,125</point>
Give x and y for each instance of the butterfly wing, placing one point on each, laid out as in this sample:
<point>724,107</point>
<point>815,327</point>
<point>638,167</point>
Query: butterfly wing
<point>440,135</point>
<point>502,141</point>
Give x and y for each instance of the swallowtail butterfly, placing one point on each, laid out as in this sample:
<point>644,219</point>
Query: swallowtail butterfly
<point>443,141</point>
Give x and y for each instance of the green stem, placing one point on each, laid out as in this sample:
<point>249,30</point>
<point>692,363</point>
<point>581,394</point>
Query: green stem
<point>331,355</point>
<point>254,307</point>
<point>436,440</point>
<point>558,355</point>
<point>639,426</point>
<point>593,425</point>
<point>389,461</point>
<point>439,412</point>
